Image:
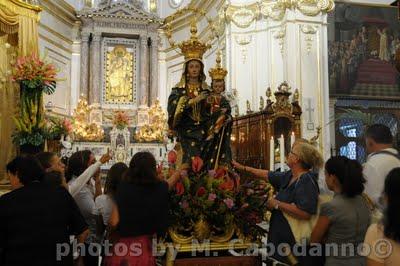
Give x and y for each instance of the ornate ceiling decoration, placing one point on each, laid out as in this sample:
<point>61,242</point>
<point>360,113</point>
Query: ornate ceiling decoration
<point>243,16</point>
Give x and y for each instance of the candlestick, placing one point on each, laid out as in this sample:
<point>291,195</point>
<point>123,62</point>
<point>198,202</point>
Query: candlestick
<point>282,151</point>
<point>271,154</point>
<point>292,139</point>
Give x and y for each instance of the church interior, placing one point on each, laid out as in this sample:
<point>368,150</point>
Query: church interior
<point>220,93</point>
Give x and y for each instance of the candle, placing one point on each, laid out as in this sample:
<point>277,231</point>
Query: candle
<point>292,139</point>
<point>271,154</point>
<point>282,151</point>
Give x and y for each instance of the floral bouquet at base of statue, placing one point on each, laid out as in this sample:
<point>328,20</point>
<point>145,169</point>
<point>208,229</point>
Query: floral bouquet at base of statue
<point>217,200</point>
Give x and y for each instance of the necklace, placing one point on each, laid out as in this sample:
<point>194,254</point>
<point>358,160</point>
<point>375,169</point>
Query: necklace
<point>193,89</point>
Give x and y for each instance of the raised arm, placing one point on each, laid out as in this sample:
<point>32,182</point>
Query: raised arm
<point>260,173</point>
<point>75,186</point>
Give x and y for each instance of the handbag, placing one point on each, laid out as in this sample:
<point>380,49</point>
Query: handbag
<point>376,214</point>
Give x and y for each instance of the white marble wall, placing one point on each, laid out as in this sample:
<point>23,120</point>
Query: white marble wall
<point>58,41</point>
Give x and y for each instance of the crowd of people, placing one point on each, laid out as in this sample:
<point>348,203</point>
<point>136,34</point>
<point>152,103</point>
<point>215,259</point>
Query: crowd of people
<point>53,206</point>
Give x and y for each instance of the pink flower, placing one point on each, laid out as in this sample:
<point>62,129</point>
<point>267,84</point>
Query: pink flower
<point>172,156</point>
<point>197,164</point>
<point>184,204</point>
<point>212,196</point>
<point>212,173</point>
<point>201,191</point>
<point>184,173</point>
<point>229,203</point>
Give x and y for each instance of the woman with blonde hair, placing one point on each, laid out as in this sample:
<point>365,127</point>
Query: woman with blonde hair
<point>296,195</point>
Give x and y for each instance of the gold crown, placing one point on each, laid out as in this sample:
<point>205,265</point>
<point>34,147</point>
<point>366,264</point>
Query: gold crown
<point>193,48</point>
<point>218,72</point>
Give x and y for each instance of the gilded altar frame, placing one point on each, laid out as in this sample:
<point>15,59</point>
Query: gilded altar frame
<point>131,46</point>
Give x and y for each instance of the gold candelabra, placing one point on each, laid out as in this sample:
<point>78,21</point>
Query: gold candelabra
<point>83,129</point>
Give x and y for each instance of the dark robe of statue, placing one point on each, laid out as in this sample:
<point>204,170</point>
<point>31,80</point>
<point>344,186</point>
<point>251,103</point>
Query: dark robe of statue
<point>189,122</point>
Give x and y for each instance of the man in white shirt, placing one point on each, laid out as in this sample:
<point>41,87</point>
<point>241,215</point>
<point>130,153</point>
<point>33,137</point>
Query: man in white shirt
<point>381,160</point>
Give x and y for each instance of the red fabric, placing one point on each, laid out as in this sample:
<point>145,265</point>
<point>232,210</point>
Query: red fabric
<point>139,252</point>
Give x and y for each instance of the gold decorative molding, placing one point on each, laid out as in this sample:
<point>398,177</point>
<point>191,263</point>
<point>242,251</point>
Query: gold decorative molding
<point>308,31</point>
<point>23,4</point>
<point>280,36</point>
<point>243,16</point>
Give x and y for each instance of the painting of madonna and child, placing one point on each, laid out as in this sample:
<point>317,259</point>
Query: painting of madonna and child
<point>362,45</point>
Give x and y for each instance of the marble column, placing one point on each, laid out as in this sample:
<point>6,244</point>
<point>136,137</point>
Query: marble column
<point>83,92</point>
<point>154,93</point>
<point>143,97</point>
<point>95,69</point>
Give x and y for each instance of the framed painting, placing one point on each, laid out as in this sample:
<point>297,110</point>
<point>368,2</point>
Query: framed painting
<point>362,45</point>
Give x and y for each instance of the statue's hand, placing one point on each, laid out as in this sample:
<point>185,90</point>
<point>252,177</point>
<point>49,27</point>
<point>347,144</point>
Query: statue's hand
<point>203,95</point>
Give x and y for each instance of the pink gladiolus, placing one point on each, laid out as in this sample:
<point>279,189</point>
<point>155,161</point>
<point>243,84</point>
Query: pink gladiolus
<point>197,164</point>
<point>229,203</point>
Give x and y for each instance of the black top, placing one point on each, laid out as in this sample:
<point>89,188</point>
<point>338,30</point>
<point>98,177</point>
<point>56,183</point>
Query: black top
<point>143,209</point>
<point>33,219</point>
<point>304,193</point>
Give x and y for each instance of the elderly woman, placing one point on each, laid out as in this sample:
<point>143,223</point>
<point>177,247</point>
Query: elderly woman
<point>296,193</point>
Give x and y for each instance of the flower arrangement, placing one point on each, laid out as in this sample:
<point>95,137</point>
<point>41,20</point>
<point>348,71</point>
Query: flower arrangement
<point>120,120</point>
<point>34,73</point>
<point>216,198</point>
<point>35,76</point>
<point>59,127</point>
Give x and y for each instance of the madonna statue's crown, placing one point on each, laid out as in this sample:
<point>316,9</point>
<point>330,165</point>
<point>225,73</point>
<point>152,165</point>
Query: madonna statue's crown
<point>218,72</point>
<point>193,48</point>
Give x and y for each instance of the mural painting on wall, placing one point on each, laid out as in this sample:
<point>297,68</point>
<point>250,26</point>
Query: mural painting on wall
<point>362,45</point>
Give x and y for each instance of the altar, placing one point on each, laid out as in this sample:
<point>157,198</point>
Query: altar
<point>99,148</point>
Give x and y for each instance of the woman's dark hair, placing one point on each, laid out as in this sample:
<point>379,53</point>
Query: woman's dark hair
<point>77,164</point>
<point>348,172</point>
<point>202,76</point>
<point>53,179</point>
<point>27,168</point>
<point>45,159</point>
<point>391,220</point>
<point>114,177</point>
<point>142,169</point>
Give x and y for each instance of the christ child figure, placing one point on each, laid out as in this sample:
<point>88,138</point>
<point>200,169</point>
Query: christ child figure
<point>220,109</point>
